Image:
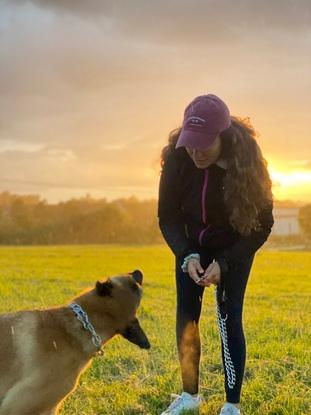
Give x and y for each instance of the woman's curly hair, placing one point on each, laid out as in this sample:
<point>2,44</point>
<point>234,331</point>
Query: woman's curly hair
<point>248,187</point>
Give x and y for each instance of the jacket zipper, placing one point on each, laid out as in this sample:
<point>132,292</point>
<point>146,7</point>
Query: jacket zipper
<point>203,199</point>
<point>203,205</point>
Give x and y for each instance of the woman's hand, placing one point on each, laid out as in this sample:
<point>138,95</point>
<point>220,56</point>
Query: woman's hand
<point>211,275</point>
<point>194,268</point>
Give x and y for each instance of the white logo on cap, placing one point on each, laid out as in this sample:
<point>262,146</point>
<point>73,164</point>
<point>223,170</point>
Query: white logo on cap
<point>196,121</point>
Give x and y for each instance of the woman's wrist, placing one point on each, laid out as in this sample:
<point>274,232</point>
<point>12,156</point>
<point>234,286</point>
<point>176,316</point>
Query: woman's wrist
<point>184,266</point>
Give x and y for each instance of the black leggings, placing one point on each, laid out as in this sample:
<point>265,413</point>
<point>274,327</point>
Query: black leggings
<point>233,348</point>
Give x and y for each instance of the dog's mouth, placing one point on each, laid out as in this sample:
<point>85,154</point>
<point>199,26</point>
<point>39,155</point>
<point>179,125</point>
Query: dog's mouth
<point>135,334</point>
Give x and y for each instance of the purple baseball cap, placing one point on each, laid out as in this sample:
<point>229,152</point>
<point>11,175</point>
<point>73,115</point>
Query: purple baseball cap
<point>204,118</point>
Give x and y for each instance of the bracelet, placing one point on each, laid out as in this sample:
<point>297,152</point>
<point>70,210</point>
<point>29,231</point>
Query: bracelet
<point>186,260</point>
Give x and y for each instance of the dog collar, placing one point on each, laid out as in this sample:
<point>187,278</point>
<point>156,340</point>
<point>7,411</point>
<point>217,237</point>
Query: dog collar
<point>83,318</point>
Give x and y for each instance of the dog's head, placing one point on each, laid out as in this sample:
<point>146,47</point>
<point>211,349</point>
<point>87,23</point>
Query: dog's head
<point>122,294</point>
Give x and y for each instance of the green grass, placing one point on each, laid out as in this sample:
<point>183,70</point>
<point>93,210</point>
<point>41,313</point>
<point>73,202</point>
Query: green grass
<point>127,380</point>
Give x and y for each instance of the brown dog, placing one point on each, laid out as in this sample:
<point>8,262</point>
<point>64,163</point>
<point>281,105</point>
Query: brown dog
<point>43,352</point>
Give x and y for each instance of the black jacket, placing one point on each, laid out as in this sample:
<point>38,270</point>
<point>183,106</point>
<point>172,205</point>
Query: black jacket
<point>193,217</point>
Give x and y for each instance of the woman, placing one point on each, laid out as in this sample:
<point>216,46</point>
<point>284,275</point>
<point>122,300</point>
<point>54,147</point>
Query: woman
<point>215,211</point>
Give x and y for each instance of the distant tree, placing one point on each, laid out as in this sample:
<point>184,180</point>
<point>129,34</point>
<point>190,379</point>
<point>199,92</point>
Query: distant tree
<point>305,220</point>
<point>28,219</point>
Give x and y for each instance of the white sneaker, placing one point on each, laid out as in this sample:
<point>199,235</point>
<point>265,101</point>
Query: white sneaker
<point>229,409</point>
<point>183,402</point>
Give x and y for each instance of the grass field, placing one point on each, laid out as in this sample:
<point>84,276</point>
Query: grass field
<point>127,380</point>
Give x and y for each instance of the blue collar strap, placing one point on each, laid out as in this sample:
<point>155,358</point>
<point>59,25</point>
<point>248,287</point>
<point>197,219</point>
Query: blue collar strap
<point>83,318</point>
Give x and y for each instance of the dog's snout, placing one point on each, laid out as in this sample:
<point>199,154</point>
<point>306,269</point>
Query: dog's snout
<point>135,334</point>
<point>145,344</point>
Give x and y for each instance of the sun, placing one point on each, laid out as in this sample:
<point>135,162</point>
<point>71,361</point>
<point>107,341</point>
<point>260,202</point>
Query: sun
<point>290,182</point>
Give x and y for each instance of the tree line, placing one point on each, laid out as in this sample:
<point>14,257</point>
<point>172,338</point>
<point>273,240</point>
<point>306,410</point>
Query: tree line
<point>30,220</point>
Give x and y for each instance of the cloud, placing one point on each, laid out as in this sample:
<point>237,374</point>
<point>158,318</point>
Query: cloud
<point>307,165</point>
<point>187,20</point>
<point>80,7</point>
<point>16,145</point>
<point>90,91</point>
<point>300,163</point>
<point>84,166</point>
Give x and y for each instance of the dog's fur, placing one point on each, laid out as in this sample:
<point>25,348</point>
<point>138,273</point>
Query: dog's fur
<point>43,352</point>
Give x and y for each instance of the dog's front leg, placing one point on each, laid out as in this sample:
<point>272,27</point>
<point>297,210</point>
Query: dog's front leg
<point>50,412</point>
<point>20,400</point>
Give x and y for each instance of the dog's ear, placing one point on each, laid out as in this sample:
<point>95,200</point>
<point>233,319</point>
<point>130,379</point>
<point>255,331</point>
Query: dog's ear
<point>138,276</point>
<point>103,288</point>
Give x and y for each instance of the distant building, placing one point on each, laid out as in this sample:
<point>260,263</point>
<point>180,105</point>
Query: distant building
<point>286,221</point>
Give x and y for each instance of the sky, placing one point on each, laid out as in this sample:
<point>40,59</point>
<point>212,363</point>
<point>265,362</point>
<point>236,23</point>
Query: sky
<point>91,89</point>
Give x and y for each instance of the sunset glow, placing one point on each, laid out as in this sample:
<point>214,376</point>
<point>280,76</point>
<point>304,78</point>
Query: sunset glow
<point>290,183</point>
<point>87,106</point>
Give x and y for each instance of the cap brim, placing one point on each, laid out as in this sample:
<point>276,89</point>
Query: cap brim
<point>195,139</point>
